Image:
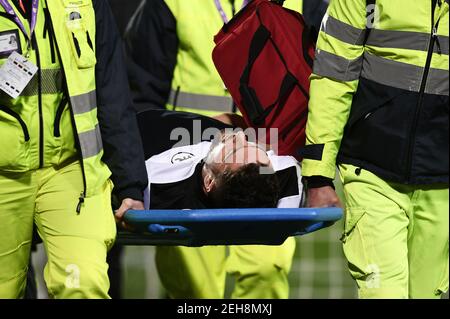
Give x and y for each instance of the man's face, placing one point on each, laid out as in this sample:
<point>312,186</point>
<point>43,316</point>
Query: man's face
<point>231,150</point>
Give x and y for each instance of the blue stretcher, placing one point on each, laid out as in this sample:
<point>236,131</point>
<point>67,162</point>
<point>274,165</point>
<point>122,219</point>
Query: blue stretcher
<point>195,228</point>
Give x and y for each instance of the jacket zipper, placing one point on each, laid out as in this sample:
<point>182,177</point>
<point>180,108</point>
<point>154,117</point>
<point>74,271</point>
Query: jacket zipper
<point>19,119</point>
<point>48,31</point>
<point>83,171</point>
<point>41,118</point>
<point>59,112</point>
<point>433,37</point>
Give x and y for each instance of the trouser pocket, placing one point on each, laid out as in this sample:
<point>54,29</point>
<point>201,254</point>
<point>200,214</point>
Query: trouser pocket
<point>352,217</point>
<point>354,244</point>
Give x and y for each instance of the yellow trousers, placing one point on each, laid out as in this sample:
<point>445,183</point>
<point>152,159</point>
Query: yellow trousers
<point>76,244</point>
<point>260,272</point>
<point>396,236</point>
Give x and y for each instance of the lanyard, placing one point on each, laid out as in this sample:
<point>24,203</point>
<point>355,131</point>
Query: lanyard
<point>34,11</point>
<point>222,12</point>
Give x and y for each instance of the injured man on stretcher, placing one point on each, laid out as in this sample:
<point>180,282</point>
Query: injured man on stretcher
<point>197,162</point>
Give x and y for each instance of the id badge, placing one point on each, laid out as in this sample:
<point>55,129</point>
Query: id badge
<point>15,74</point>
<point>9,42</point>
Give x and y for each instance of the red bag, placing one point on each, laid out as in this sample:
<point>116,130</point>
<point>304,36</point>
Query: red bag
<point>264,56</point>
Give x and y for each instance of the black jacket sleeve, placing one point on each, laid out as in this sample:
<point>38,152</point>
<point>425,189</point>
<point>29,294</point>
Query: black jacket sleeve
<point>151,46</point>
<point>313,12</point>
<point>123,151</point>
<point>122,11</point>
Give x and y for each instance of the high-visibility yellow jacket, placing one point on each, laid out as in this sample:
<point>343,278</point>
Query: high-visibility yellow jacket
<point>56,118</point>
<point>379,91</point>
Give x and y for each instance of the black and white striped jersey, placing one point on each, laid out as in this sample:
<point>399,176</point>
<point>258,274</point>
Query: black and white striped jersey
<point>175,179</point>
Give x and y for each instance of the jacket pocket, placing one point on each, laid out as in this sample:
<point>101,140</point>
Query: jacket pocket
<point>14,140</point>
<point>368,99</point>
<point>64,134</point>
<point>81,42</point>
<point>58,116</point>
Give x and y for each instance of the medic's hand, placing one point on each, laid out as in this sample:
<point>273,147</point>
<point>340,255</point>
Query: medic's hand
<point>127,204</point>
<point>322,197</point>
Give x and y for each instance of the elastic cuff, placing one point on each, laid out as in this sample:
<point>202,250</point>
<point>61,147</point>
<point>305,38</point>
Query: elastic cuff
<point>318,168</point>
<point>317,182</point>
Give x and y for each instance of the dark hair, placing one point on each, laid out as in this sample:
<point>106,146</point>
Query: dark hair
<point>246,188</point>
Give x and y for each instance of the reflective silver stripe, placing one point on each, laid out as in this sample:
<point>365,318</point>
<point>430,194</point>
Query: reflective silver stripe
<point>405,40</point>
<point>383,38</point>
<point>336,67</point>
<point>52,83</point>
<point>200,101</point>
<point>404,76</point>
<point>343,31</point>
<point>91,142</point>
<point>437,82</point>
<point>84,103</point>
<point>443,43</point>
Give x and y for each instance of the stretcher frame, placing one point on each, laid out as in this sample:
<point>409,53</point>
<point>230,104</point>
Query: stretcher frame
<point>195,228</point>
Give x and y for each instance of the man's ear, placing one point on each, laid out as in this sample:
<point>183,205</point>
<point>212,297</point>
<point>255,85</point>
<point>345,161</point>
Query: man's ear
<point>208,183</point>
